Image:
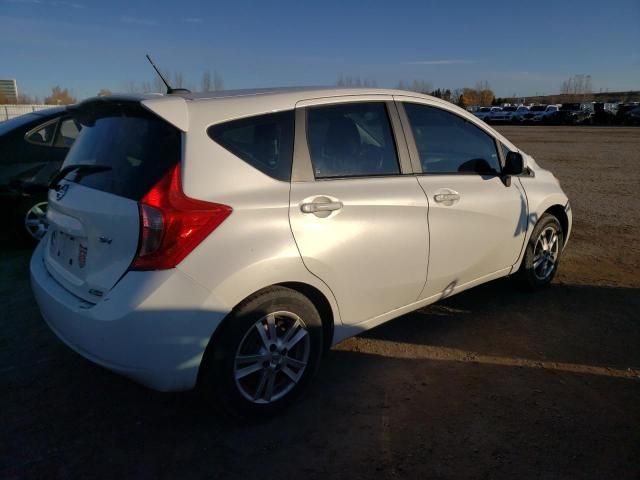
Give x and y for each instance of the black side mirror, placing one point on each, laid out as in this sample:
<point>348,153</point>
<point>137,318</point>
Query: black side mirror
<point>514,164</point>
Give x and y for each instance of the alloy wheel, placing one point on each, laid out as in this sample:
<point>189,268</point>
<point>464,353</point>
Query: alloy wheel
<point>545,253</point>
<point>272,357</point>
<point>35,220</point>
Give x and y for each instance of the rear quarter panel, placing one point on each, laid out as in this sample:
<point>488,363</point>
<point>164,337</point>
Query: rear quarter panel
<point>254,247</point>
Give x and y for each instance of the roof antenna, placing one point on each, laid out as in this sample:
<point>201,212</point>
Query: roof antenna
<point>170,89</point>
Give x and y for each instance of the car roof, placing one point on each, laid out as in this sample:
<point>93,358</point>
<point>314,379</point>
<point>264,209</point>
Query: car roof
<point>49,111</point>
<point>284,93</point>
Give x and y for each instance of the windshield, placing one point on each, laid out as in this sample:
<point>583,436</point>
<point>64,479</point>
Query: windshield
<point>538,108</point>
<point>570,107</point>
<point>485,109</point>
<point>509,109</point>
<point>138,148</point>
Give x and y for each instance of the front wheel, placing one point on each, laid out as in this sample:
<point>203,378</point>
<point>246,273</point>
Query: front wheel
<point>265,354</point>
<point>542,256</point>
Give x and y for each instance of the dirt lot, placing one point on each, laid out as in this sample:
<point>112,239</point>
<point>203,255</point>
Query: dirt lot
<point>492,383</point>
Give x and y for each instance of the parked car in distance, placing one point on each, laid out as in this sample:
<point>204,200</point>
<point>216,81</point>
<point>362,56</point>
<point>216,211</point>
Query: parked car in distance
<point>504,115</point>
<point>624,114</point>
<point>486,113</point>
<point>539,113</point>
<point>534,111</point>
<point>632,117</point>
<point>509,114</point>
<point>604,113</point>
<point>226,240</point>
<point>32,149</point>
<point>519,114</point>
<point>571,114</point>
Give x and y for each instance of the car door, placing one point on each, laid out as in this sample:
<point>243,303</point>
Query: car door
<point>66,133</point>
<point>477,219</point>
<point>24,154</point>
<point>358,215</point>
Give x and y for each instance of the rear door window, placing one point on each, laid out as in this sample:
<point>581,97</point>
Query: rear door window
<point>351,140</point>
<point>43,135</point>
<point>139,148</point>
<point>264,141</point>
<point>67,133</point>
<point>448,143</point>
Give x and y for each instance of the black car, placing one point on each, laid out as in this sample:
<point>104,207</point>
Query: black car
<point>571,114</point>
<point>32,149</point>
<point>628,114</point>
<point>604,113</point>
<point>633,116</point>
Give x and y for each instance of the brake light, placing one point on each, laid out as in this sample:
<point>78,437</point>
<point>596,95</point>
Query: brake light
<point>172,224</point>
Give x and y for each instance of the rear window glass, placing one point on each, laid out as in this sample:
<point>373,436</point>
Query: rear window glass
<point>140,149</point>
<point>265,142</point>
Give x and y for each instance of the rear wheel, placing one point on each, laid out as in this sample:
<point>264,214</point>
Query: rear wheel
<point>32,218</point>
<point>265,354</point>
<point>542,255</point>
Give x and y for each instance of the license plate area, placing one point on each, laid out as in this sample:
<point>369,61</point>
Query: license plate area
<point>69,251</point>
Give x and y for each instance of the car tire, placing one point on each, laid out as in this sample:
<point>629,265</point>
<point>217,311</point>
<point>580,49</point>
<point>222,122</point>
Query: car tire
<point>30,221</point>
<point>542,254</point>
<point>276,335</point>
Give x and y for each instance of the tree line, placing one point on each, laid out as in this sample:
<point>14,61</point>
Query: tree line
<point>576,88</point>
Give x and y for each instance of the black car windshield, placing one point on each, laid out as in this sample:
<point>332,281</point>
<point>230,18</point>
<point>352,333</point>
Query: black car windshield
<point>570,107</point>
<point>509,109</point>
<point>538,108</point>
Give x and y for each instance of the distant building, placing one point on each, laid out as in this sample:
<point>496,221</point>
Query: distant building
<point>9,90</point>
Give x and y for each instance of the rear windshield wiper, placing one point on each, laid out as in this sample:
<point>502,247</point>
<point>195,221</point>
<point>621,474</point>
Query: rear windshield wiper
<point>78,167</point>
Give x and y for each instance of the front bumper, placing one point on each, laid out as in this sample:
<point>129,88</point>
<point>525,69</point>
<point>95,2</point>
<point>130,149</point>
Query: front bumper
<point>501,119</point>
<point>152,327</point>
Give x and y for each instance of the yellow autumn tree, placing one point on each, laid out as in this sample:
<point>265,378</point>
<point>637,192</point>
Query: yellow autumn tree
<point>59,96</point>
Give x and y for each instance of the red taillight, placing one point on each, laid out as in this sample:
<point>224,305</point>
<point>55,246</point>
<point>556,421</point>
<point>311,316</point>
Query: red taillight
<point>172,224</point>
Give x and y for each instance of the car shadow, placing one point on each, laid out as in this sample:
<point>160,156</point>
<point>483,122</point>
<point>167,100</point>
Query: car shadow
<point>374,410</point>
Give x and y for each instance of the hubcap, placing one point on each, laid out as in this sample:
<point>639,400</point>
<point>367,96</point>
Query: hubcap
<point>35,221</point>
<point>545,253</point>
<point>272,357</point>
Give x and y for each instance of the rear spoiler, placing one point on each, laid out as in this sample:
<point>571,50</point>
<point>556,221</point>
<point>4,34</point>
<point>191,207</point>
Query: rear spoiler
<point>172,109</point>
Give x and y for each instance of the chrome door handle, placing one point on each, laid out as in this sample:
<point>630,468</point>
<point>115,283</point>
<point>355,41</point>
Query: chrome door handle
<point>321,207</point>
<point>448,197</point>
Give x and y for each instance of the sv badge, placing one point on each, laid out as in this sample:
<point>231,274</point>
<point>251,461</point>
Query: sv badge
<point>82,255</point>
<point>61,191</point>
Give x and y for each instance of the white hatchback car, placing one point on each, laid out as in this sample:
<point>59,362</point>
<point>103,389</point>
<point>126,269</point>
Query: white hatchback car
<point>226,241</point>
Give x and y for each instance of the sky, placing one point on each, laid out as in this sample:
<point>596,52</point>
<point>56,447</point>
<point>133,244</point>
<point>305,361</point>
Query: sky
<point>518,46</point>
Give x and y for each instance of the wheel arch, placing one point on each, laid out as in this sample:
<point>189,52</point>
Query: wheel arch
<point>540,201</point>
<point>559,212</point>
<point>319,300</point>
<point>322,304</point>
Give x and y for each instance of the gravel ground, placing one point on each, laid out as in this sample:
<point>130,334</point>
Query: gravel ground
<point>492,383</point>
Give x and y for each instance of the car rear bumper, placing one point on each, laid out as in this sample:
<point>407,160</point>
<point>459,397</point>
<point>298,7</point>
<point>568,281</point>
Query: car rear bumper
<point>152,327</point>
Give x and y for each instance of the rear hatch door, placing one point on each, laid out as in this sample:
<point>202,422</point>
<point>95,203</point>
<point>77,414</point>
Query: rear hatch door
<point>93,213</point>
